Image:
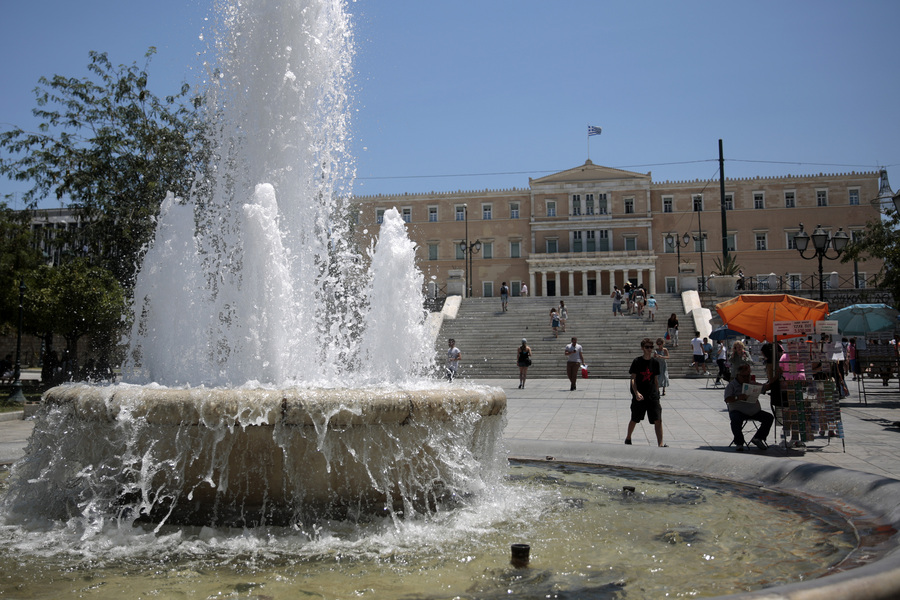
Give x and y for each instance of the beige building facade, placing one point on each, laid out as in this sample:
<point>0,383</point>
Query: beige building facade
<point>589,228</point>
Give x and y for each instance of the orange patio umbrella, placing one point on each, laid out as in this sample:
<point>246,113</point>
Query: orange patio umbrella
<point>754,314</point>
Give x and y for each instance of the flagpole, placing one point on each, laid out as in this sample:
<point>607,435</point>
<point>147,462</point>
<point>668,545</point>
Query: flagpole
<point>589,141</point>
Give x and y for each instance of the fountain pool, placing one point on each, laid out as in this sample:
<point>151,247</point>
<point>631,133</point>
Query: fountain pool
<point>674,536</point>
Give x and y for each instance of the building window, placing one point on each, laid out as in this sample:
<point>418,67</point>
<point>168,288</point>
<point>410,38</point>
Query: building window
<point>795,281</point>
<point>515,288</point>
<point>731,242</point>
<point>487,289</point>
<point>486,211</point>
<point>667,247</point>
<point>861,280</point>
<point>729,201</point>
<point>667,204</point>
<point>576,204</point>
<point>460,251</point>
<point>552,246</point>
<point>699,243</point>
<point>602,204</point>
<point>854,197</point>
<point>698,202</point>
<point>432,214</point>
<point>407,214</point>
<point>671,287</point>
<point>589,204</point>
<point>379,215</point>
<point>760,241</point>
<point>630,243</point>
<point>591,241</point>
<point>789,200</point>
<point>515,249</point>
<point>576,241</point>
<point>513,210</point>
<point>759,201</point>
<point>460,212</point>
<point>551,208</point>
<point>487,250</point>
<point>629,206</point>
<point>821,197</point>
<point>604,241</point>
<point>792,240</point>
<point>432,251</point>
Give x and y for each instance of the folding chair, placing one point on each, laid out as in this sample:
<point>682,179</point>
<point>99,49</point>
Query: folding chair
<point>750,429</point>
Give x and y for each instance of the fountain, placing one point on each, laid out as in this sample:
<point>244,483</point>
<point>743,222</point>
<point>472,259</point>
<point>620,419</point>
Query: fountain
<point>275,371</point>
<point>275,417</point>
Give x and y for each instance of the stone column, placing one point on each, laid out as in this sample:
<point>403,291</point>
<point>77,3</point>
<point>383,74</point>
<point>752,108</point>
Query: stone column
<point>653,280</point>
<point>584,281</point>
<point>558,282</point>
<point>544,283</point>
<point>531,288</point>
<point>571,283</point>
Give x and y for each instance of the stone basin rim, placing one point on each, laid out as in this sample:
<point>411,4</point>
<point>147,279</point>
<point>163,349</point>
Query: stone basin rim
<point>270,407</point>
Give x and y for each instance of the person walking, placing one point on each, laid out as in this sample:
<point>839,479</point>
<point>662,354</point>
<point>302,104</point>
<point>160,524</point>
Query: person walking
<point>523,360</point>
<point>504,296</point>
<point>661,354</point>
<point>699,358</point>
<point>616,295</point>
<point>644,373</point>
<point>651,308</point>
<point>574,361</point>
<point>524,290</point>
<point>563,315</point>
<point>721,356</point>
<point>454,355</point>
<point>554,322</point>
<point>672,328</point>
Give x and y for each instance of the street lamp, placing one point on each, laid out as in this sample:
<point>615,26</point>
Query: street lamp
<point>468,250</point>
<point>17,395</point>
<point>821,241</point>
<point>678,244</point>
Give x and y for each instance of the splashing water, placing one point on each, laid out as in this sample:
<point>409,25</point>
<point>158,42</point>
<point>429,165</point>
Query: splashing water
<point>255,277</point>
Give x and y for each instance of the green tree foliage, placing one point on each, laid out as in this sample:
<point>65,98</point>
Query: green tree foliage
<point>881,240</point>
<point>74,300</point>
<point>111,149</point>
<point>17,257</point>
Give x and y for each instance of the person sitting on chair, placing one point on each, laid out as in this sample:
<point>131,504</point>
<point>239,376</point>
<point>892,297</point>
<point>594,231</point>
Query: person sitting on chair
<point>741,409</point>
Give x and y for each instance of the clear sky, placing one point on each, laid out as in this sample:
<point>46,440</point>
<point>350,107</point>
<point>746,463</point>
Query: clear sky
<point>476,94</point>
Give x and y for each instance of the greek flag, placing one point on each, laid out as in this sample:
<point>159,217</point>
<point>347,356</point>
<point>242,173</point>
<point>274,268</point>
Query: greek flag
<point>594,130</point>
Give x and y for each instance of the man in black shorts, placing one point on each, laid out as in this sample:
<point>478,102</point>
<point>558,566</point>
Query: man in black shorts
<point>645,392</point>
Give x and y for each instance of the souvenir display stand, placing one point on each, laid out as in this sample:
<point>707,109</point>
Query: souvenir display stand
<point>812,400</point>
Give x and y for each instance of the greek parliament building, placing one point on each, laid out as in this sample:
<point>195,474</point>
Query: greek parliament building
<point>586,229</point>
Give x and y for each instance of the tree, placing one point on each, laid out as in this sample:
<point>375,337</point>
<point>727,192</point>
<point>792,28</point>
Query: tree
<point>74,300</point>
<point>18,255</point>
<point>881,240</point>
<point>111,149</point>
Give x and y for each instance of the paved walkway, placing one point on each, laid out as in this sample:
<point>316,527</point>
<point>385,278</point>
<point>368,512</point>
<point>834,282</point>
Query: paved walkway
<point>694,417</point>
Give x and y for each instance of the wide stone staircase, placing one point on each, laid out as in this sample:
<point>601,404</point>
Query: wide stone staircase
<point>488,337</point>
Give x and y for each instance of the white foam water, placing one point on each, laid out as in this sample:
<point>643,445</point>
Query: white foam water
<point>255,277</point>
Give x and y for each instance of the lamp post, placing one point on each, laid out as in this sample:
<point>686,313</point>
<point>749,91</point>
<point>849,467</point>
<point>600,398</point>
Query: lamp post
<point>678,244</point>
<point>17,395</point>
<point>821,241</point>
<point>468,250</point>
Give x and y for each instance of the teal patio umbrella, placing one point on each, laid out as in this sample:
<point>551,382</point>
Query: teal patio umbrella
<point>860,319</point>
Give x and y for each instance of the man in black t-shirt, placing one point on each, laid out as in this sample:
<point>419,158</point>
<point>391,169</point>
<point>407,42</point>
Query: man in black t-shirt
<point>645,392</point>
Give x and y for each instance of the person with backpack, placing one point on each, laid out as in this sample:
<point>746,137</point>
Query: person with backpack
<point>504,296</point>
<point>616,295</point>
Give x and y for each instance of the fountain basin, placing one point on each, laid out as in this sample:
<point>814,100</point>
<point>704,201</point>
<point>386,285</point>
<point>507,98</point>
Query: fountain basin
<point>869,502</point>
<point>250,456</point>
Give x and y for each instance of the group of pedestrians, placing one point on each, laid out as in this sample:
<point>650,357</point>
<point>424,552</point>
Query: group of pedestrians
<point>636,301</point>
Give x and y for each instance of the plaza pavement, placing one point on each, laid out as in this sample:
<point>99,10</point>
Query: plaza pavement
<point>694,417</point>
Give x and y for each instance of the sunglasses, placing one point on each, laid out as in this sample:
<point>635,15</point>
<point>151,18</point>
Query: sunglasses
<point>647,346</point>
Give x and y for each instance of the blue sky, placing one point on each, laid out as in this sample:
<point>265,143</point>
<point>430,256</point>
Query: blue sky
<point>484,94</point>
